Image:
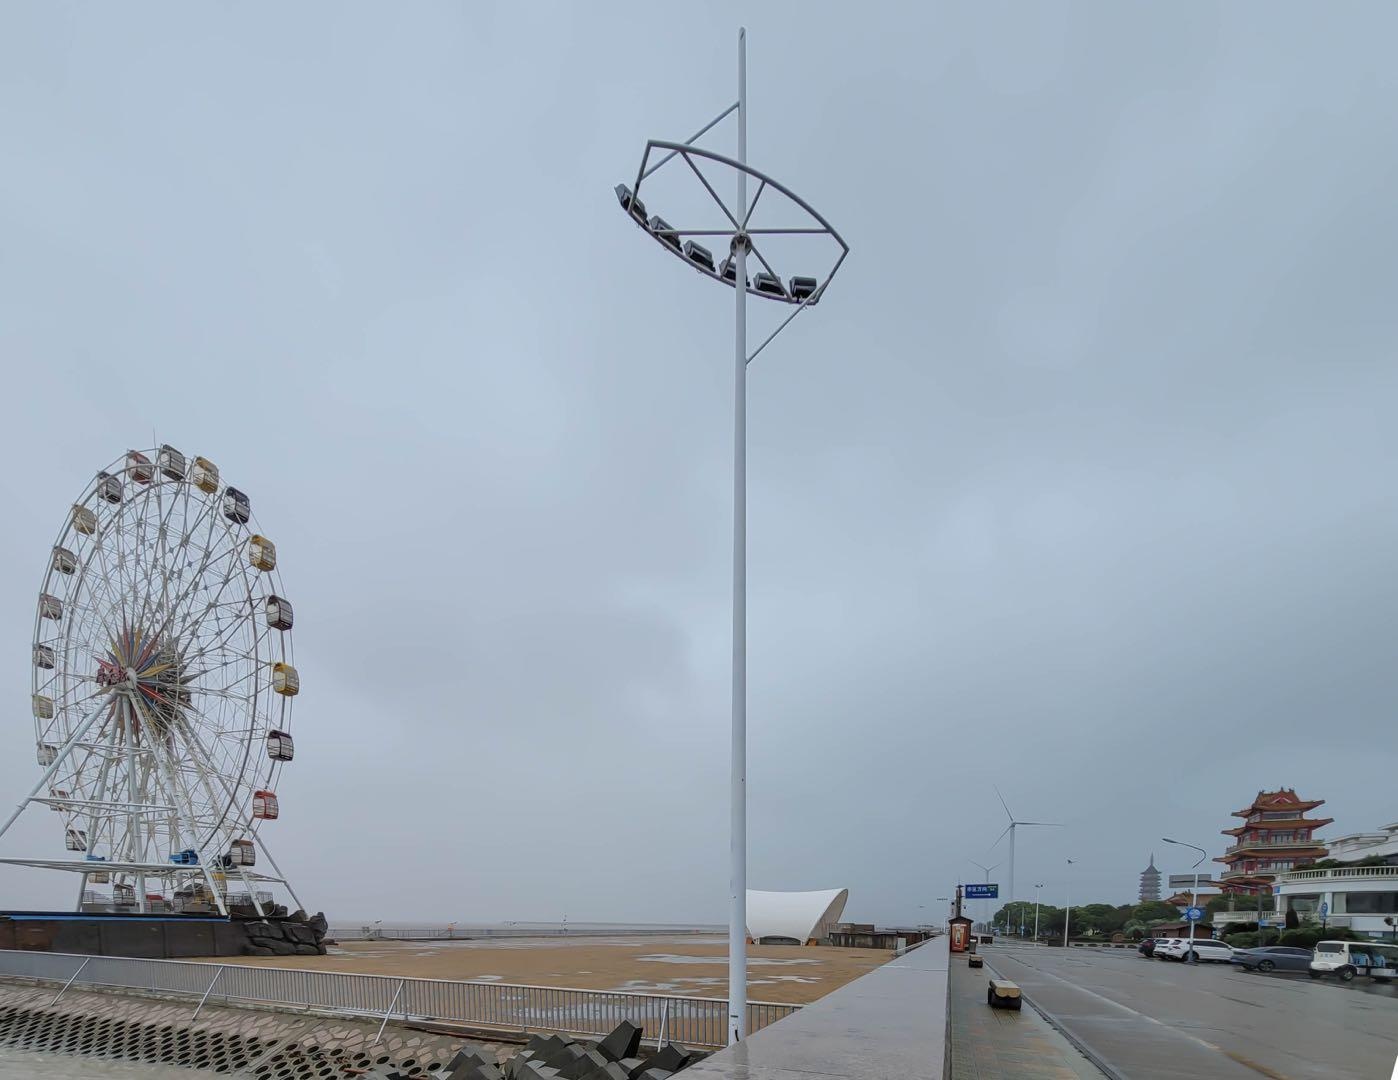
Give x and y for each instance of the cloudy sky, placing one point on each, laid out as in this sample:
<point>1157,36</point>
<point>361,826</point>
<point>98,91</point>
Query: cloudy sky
<point>1079,481</point>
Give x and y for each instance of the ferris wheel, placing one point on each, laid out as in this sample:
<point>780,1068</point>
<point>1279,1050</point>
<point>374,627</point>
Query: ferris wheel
<point>163,683</point>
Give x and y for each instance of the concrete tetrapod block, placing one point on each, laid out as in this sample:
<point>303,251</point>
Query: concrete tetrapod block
<point>614,1070</point>
<point>581,1068</point>
<point>545,1047</point>
<point>623,1042</point>
<point>672,1057</point>
<point>634,1066</point>
<point>565,1054</point>
<point>471,1064</point>
<point>514,1068</point>
<point>656,1074</point>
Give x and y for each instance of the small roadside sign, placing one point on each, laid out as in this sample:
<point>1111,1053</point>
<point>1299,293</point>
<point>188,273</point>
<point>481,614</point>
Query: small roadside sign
<point>1324,909</point>
<point>1193,914</point>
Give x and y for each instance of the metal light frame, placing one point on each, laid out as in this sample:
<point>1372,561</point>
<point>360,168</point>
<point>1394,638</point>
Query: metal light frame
<point>740,236</point>
<point>740,229</point>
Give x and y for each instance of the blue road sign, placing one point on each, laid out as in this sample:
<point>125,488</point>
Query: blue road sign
<point>982,892</point>
<point>1193,914</point>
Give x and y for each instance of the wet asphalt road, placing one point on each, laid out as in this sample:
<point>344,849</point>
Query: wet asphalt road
<point>1146,1019</point>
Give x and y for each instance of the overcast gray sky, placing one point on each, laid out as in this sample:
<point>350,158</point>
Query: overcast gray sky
<point>1081,479</point>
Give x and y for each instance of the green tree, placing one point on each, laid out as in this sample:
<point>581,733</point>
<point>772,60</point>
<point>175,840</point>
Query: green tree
<point>1334,864</point>
<point>1153,911</point>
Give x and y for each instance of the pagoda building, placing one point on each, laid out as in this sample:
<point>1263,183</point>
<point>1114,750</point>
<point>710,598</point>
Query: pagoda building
<point>1150,882</point>
<point>1275,836</point>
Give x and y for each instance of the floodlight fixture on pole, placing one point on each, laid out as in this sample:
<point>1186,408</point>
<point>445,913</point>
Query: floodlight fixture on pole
<point>1194,892</point>
<point>745,237</point>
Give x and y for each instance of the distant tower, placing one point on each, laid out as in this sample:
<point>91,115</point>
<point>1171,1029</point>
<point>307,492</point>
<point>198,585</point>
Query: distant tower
<point>1150,881</point>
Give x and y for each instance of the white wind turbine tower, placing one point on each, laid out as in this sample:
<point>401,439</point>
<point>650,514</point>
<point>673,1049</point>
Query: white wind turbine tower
<point>986,907</point>
<point>1010,829</point>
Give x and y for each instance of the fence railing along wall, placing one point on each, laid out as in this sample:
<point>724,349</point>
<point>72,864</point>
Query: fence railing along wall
<point>699,1022</point>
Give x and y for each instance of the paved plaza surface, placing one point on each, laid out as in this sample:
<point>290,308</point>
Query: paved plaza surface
<point>1013,1044</point>
<point>690,966</point>
<point>1146,1019</point>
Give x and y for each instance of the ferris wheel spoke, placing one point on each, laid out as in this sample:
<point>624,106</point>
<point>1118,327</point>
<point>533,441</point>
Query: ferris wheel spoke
<point>205,769</point>
<point>201,753</point>
<point>219,549</point>
<point>174,793</point>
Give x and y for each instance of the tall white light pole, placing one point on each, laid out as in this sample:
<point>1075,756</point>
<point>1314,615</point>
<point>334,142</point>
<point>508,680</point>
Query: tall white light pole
<point>738,775</point>
<point>800,292</point>
<point>1036,911</point>
<point>1068,905</point>
<point>1193,892</point>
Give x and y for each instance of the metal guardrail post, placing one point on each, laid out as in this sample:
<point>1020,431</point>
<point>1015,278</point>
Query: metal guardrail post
<point>69,983</point>
<point>389,1013</point>
<point>214,982</point>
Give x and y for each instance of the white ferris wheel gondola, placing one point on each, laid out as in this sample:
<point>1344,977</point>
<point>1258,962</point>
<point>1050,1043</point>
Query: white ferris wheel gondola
<point>163,684</point>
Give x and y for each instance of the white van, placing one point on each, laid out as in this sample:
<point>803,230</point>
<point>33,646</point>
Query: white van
<point>1346,959</point>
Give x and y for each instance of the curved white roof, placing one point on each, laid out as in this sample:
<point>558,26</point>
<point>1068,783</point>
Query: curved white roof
<point>800,916</point>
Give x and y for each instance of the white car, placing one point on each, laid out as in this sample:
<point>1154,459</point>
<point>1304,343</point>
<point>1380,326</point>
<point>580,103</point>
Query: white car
<point>1205,949</point>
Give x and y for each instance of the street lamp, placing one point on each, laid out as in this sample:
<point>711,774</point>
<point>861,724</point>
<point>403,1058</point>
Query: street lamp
<point>801,292</point>
<point>1036,911</point>
<point>1193,892</point>
<point>1067,907</point>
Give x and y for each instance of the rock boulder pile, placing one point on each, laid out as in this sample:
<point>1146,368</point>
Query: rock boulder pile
<point>556,1057</point>
<point>280,934</point>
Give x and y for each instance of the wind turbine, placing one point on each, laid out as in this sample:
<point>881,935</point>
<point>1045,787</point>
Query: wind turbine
<point>984,903</point>
<point>1010,828</point>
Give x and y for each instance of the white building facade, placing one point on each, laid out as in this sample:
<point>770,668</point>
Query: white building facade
<point>1362,898</point>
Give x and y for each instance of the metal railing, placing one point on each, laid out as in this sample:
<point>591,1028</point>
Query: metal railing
<point>1246,844</point>
<point>700,1022</point>
<point>1341,872</point>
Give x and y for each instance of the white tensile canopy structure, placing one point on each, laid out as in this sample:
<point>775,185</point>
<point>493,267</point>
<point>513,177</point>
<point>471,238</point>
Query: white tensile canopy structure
<point>794,918</point>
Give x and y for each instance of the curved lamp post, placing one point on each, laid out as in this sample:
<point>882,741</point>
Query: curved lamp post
<point>1194,892</point>
<point>798,292</point>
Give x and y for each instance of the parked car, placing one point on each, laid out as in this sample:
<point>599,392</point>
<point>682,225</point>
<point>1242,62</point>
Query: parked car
<point>1346,959</point>
<point>1160,950</point>
<point>1205,949</point>
<point>1273,958</point>
<point>1146,947</point>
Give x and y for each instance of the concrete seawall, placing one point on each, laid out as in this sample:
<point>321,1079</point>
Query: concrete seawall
<point>890,1022</point>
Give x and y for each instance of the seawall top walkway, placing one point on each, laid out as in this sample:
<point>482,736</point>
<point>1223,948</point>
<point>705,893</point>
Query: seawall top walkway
<point>889,1023</point>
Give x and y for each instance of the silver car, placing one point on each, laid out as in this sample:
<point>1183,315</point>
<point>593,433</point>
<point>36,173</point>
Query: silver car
<point>1273,958</point>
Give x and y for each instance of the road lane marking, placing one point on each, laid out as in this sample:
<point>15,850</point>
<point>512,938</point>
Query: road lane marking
<point>1127,1009</point>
